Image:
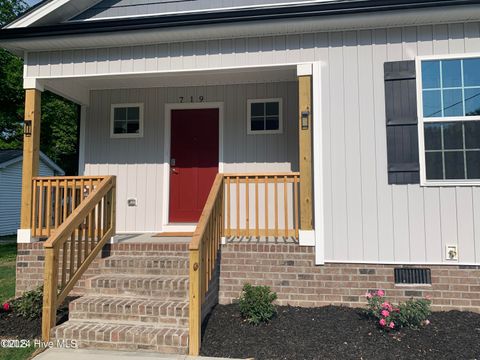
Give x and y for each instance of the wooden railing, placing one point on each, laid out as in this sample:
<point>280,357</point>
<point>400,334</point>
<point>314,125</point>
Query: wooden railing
<point>55,198</point>
<point>75,244</point>
<point>229,211</point>
<point>262,204</point>
<point>204,249</point>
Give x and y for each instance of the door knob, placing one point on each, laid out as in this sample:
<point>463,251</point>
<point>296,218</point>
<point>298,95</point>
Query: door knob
<point>172,162</point>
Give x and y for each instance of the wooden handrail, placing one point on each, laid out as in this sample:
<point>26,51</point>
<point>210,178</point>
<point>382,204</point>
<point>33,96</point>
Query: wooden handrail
<point>204,249</point>
<point>54,198</point>
<point>74,245</point>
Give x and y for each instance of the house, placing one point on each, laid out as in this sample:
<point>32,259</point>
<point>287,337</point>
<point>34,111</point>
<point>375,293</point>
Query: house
<point>11,186</point>
<point>325,148</point>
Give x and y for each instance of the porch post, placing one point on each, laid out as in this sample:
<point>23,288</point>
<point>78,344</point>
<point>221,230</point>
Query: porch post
<point>31,153</point>
<point>304,73</point>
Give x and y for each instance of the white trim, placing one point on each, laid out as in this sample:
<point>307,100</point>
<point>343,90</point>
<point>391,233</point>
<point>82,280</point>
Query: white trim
<point>306,237</point>
<point>304,69</point>
<point>81,145</point>
<point>36,15</point>
<point>257,6</point>
<point>166,151</point>
<point>422,121</point>
<point>24,236</point>
<point>318,171</point>
<point>32,83</point>
<point>140,125</point>
<point>264,132</point>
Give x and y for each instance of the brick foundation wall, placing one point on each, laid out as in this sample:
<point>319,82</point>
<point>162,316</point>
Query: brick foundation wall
<point>291,272</point>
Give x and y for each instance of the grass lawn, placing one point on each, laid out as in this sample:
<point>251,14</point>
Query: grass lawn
<point>8,253</point>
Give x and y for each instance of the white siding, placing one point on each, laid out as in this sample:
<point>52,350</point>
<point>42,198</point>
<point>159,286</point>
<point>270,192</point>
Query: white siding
<point>139,163</point>
<point>366,219</point>
<point>11,193</point>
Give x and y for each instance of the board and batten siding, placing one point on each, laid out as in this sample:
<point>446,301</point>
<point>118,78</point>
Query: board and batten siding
<point>11,195</point>
<point>138,163</point>
<point>366,220</point>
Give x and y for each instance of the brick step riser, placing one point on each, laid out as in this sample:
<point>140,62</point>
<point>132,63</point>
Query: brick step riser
<point>144,271</point>
<point>155,253</point>
<point>115,337</point>
<point>179,294</point>
<point>156,320</point>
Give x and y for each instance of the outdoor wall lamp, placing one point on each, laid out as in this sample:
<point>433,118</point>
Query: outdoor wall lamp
<point>305,119</point>
<point>27,128</point>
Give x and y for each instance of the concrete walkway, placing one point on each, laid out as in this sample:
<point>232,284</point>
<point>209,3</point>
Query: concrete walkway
<point>83,354</point>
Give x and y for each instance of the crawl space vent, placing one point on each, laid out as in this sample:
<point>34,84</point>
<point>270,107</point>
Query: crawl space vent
<point>412,276</point>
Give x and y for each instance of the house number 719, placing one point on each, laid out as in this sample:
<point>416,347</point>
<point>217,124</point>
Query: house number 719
<point>192,99</point>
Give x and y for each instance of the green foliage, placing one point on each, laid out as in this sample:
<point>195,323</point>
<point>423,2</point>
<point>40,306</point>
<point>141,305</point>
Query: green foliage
<point>256,304</point>
<point>8,253</point>
<point>59,116</point>
<point>414,312</point>
<point>30,304</point>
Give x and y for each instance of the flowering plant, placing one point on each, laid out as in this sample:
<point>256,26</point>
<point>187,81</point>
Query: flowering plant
<point>6,307</point>
<point>412,313</point>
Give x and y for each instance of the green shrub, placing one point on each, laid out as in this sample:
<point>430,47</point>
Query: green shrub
<point>256,304</point>
<point>30,304</point>
<point>413,312</point>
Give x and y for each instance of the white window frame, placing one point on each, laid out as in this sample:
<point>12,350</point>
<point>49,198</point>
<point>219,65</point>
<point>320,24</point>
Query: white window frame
<point>422,121</point>
<point>264,132</point>
<point>140,121</point>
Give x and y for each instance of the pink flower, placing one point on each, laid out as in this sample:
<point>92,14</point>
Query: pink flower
<point>382,322</point>
<point>380,293</point>
<point>385,313</point>
<point>387,305</point>
<point>391,325</point>
<point>428,297</point>
<point>368,295</point>
<point>6,307</point>
<point>426,322</point>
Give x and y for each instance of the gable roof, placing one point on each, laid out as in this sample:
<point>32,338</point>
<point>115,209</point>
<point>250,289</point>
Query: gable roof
<point>12,156</point>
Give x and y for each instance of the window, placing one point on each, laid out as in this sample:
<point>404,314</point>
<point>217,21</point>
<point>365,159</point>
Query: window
<point>264,116</point>
<point>449,120</point>
<point>127,120</point>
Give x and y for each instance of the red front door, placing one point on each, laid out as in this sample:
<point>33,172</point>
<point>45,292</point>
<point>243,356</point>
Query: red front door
<point>194,162</point>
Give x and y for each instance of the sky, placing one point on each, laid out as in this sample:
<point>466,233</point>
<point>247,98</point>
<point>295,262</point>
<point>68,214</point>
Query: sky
<point>32,2</point>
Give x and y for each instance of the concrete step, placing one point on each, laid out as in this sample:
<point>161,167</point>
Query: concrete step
<point>173,313</point>
<point>160,287</point>
<point>127,337</point>
<point>152,265</point>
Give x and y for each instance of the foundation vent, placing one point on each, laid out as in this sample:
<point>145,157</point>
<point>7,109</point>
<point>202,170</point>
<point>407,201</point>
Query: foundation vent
<point>412,276</point>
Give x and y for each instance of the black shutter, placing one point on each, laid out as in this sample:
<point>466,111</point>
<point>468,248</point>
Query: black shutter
<point>402,122</point>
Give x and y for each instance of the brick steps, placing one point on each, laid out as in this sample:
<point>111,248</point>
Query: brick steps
<point>136,299</point>
<point>166,265</point>
<point>130,337</point>
<point>131,310</point>
<point>165,287</point>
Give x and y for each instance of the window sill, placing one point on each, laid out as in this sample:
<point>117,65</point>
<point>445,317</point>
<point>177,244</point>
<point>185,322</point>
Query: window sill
<point>450,183</point>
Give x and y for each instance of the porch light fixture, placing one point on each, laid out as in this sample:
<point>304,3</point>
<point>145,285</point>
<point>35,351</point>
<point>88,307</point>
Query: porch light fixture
<point>305,119</point>
<point>27,128</point>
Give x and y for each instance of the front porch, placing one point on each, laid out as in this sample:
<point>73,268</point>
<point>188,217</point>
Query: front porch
<point>262,190</point>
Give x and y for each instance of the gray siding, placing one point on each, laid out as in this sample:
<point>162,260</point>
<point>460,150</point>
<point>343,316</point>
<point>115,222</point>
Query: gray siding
<point>125,8</point>
<point>11,193</point>
<point>138,163</point>
<point>365,218</point>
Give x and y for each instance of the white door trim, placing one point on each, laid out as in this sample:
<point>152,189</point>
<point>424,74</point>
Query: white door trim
<point>166,160</point>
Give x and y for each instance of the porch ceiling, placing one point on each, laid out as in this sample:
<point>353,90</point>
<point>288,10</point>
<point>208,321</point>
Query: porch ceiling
<point>77,88</point>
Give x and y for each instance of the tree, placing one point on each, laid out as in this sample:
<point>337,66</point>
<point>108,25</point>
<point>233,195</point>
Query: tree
<point>59,116</point>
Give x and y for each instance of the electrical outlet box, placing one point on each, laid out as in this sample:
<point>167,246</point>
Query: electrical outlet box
<point>132,202</point>
<point>451,252</point>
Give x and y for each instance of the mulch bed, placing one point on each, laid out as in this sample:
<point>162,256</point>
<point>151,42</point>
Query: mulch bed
<point>334,332</point>
<point>13,326</point>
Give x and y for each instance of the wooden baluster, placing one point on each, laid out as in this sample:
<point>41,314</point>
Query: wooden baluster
<point>276,205</point>
<point>72,255</point>
<point>99,222</point>
<point>247,207</point>
<point>257,232</point>
<point>34,209</point>
<point>57,203</point>
<point>64,264</point>
<point>40,207</point>
<point>285,204</point>
<point>295,200</point>
<point>79,245</point>
<point>73,199</point>
<point>104,215</point>
<point>228,234</point>
<point>48,216</point>
<point>238,205</point>
<point>65,201</point>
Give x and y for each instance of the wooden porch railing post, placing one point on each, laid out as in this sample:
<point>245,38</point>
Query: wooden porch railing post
<point>49,292</point>
<point>31,153</point>
<point>195,310</point>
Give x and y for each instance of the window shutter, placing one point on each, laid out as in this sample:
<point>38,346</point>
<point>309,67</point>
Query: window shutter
<point>402,122</point>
